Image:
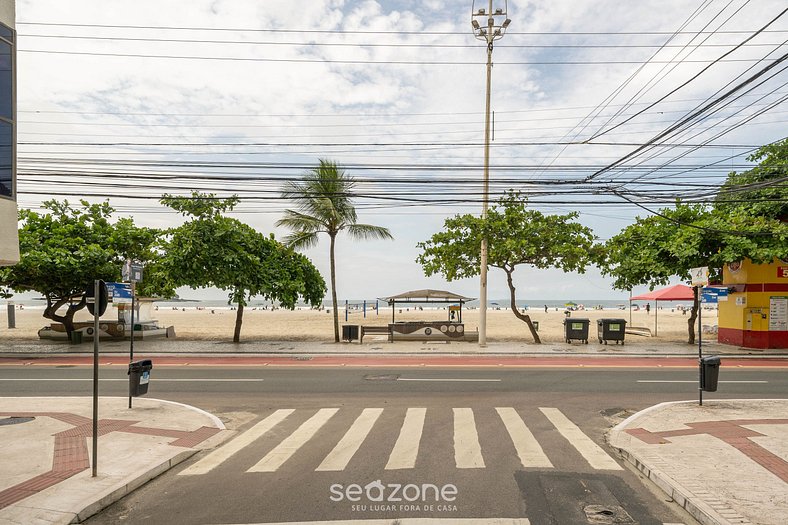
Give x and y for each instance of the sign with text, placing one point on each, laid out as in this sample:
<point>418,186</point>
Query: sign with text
<point>132,271</point>
<point>700,276</point>
<point>782,272</point>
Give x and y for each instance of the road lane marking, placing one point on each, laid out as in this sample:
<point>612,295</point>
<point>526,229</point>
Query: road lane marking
<point>528,449</point>
<point>405,450</point>
<point>159,379</point>
<point>691,381</point>
<point>593,453</point>
<point>338,458</point>
<point>456,380</point>
<point>223,453</point>
<point>467,451</point>
<point>282,452</point>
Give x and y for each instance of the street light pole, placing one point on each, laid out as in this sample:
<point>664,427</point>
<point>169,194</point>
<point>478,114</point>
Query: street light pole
<point>493,28</point>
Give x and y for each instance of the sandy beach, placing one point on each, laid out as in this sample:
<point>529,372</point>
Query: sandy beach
<point>313,325</point>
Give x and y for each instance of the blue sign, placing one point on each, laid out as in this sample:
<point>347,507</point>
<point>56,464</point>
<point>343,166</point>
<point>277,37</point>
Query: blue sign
<point>714,294</point>
<point>119,292</point>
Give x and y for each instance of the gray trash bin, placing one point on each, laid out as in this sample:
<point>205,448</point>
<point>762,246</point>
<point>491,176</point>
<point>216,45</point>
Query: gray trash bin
<point>709,373</point>
<point>139,377</point>
<point>576,329</point>
<point>350,332</point>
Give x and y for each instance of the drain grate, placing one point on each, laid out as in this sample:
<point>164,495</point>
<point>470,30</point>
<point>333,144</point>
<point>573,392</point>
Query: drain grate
<point>303,358</point>
<point>15,420</point>
<point>381,377</point>
<point>607,514</point>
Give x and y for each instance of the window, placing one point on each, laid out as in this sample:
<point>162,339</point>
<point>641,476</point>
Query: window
<point>7,110</point>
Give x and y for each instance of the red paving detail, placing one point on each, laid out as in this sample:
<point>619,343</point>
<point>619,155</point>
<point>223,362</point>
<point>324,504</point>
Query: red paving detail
<point>731,432</point>
<point>71,449</point>
<point>402,361</point>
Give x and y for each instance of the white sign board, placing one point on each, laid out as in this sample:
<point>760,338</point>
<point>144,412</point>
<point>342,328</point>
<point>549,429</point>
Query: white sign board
<point>700,276</point>
<point>778,314</point>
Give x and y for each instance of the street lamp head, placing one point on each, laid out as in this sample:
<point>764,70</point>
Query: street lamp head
<point>475,24</point>
<point>490,26</point>
<point>506,23</point>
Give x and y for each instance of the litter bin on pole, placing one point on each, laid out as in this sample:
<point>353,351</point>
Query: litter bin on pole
<point>611,330</point>
<point>139,377</point>
<point>709,373</point>
<point>350,332</point>
<point>576,328</point>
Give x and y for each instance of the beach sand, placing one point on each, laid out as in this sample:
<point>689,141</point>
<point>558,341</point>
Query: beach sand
<point>312,325</point>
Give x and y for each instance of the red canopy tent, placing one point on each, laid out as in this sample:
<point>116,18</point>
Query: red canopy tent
<point>677,292</point>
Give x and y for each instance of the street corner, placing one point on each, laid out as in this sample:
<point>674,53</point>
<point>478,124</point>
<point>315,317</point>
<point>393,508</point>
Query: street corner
<point>724,462</point>
<point>47,452</point>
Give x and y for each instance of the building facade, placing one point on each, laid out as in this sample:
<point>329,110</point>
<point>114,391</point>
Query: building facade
<point>755,315</point>
<point>9,237</point>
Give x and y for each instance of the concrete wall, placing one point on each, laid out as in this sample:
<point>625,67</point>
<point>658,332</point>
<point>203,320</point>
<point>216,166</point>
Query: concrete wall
<point>9,240</point>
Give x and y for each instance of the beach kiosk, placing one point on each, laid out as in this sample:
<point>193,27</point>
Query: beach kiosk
<point>452,329</point>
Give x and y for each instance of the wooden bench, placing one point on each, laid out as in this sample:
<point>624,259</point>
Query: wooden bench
<point>374,330</point>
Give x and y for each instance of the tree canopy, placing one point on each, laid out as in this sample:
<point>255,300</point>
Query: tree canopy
<point>211,249</point>
<point>323,205</point>
<point>516,235</point>
<point>747,221</point>
<point>65,248</point>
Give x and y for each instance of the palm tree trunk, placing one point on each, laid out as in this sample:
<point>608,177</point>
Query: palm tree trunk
<point>513,303</point>
<point>334,291</point>
<point>239,318</point>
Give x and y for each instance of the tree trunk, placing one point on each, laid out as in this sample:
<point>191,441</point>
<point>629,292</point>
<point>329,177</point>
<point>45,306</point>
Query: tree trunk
<point>693,315</point>
<point>334,290</point>
<point>239,319</point>
<point>66,320</point>
<point>521,316</point>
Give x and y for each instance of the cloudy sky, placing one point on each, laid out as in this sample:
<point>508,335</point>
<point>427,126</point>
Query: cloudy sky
<point>129,100</point>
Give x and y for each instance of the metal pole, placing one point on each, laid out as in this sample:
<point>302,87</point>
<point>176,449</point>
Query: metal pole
<point>700,348</point>
<point>346,310</point>
<point>131,345</point>
<point>656,314</point>
<point>95,375</point>
<point>11,315</point>
<point>365,308</point>
<point>485,191</point>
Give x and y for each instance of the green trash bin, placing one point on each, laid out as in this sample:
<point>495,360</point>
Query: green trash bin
<point>576,328</point>
<point>76,337</point>
<point>709,373</point>
<point>139,377</point>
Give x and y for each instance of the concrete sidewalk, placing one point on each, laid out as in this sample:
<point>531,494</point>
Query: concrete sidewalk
<point>46,452</point>
<point>379,346</point>
<point>725,462</point>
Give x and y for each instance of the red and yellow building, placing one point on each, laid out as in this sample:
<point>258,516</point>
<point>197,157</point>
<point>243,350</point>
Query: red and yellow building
<point>756,312</point>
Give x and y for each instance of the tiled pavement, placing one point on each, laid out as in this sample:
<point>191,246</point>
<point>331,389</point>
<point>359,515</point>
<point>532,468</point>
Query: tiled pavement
<point>174,430</point>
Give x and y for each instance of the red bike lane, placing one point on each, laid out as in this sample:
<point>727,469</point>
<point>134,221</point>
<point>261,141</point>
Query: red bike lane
<point>443,361</point>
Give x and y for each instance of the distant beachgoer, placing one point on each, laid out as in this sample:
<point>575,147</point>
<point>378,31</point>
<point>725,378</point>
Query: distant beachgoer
<point>545,308</point>
<point>648,308</point>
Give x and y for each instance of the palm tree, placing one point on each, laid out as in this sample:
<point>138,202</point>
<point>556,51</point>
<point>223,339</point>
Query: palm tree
<point>322,201</point>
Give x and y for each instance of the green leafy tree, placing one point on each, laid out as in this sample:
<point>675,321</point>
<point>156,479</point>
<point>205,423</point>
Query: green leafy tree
<point>747,221</point>
<point>211,249</point>
<point>323,205</point>
<point>66,248</point>
<point>515,235</point>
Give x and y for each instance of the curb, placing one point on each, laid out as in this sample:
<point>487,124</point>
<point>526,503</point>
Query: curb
<point>694,505</point>
<point>135,483</point>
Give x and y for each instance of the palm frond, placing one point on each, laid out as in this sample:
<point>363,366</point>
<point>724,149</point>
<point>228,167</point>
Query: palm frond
<point>301,240</point>
<point>368,231</point>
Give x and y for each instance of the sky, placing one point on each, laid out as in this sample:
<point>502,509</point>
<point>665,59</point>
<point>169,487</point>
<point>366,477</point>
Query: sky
<point>130,100</point>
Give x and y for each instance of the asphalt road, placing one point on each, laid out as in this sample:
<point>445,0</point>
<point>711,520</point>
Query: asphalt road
<point>470,421</point>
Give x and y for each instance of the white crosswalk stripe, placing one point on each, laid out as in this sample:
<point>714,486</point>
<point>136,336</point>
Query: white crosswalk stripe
<point>528,449</point>
<point>338,458</point>
<point>405,451</point>
<point>407,446</point>
<point>467,451</point>
<point>274,459</point>
<point>222,454</point>
<point>592,452</point>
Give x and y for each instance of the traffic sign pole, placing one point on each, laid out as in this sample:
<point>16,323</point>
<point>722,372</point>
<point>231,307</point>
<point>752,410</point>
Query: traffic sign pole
<point>131,345</point>
<point>96,315</point>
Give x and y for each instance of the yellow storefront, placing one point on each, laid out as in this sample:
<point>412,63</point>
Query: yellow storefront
<point>756,312</point>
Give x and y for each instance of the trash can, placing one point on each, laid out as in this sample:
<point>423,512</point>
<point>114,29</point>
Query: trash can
<point>611,330</point>
<point>576,328</point>
<point>350,332</point>
<point>536,325</point>
<point>709,372</point>
<point>76,337</point>
<point>139,377</point>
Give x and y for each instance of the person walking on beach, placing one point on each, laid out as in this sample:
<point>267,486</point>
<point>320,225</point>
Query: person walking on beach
<point>648,308</point>
<point>545,308</point>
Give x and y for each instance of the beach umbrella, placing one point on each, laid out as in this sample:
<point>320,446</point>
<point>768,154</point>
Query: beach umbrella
<point>570,303</point>
<point>677,292</point>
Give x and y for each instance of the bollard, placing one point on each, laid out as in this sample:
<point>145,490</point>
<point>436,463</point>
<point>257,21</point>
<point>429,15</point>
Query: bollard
<point>11,316</point>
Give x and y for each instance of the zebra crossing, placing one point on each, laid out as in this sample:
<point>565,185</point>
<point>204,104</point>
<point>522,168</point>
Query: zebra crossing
<point>468,453</point>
